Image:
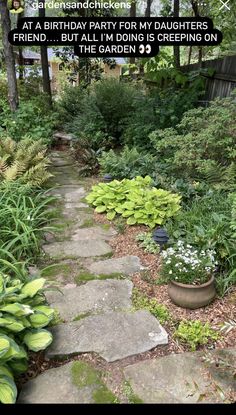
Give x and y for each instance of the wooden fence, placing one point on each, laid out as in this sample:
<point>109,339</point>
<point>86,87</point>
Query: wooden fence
<point>223,80</point>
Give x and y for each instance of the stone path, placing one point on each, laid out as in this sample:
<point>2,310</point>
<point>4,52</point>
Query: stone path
<point>95,308</point>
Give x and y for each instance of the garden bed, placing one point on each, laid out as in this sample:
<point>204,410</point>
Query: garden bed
<point>220,311</point>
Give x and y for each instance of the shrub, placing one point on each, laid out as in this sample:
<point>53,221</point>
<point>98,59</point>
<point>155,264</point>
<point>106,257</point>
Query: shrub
<point>32,118</point>
<point>102,113</point>
<point>25,161</point>
<point>69,104</point>
<point>23,316</point>
<point>195,333</point>
<point>135,200</point>
<point>202,145</point>
<point>127,164</point>
<point>159,107</point>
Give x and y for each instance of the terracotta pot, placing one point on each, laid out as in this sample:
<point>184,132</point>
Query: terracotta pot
<point>192,296</point>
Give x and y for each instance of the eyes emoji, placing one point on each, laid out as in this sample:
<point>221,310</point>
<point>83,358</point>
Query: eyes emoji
<point>145,49</point>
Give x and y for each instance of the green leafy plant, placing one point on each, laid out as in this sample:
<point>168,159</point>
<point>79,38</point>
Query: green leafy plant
<point>33,118</point>
<point>135,200</point>
<point>102,113</point>
<point>148,243</point>
<point>162,107</point>
<point>23,318</point>
<point>202,145</point>
<point>194,333</point>
<point>127,164</point>
<point>205,224</point>
<point>24,217</point>
<point>87,157</point>
<point>25,161</point>
<point>141,301</point>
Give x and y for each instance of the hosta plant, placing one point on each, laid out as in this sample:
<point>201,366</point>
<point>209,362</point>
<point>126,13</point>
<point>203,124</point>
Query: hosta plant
<point>136,199</point>
<point>23,318</point>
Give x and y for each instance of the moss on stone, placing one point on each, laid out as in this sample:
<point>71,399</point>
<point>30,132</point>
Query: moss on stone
<point>104,395</point>
<point>80,316</point>
<point>107,256</point>
<point>88,223</point>
<point>84,375</point>
<point>55,269</point>
<point>87,276</point>
<point>105,226</point>
<point>131,396</point>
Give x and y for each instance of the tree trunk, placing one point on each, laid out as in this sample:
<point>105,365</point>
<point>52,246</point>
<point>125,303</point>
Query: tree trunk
<point>20,50</point>
<point>176,48</point>
<point>132,14</point>
<point>148,8</point>
<point>9,57</point>
<point>190,54</point>
<point>196,14</point>
<point>44,63</point>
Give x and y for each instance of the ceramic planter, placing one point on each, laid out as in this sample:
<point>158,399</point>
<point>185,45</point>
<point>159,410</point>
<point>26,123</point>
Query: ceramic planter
<point>192,296</point>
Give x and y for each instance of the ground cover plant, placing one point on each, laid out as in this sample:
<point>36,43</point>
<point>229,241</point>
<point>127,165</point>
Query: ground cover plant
<point>195,333</point>
<point>135,200</point>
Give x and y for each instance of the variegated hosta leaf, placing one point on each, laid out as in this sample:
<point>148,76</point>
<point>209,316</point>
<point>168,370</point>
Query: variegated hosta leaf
<point>37,340</point>
<point>8,391</point>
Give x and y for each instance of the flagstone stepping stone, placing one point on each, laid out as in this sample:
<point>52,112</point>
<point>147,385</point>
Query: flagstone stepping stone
<point>77,249</point>
<point>126,265</point>
<point>74,382</point>
<point>92,297</point>
<point>75,195</point>
<point>178,378</point>
<point>113,335</point>
<point>94,232</point>
<point>61,162</point>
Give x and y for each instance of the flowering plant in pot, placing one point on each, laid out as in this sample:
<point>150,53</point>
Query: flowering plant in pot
<point>190,274</point>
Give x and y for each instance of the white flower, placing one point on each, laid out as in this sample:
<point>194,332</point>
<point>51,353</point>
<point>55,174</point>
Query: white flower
<point>170,272</point>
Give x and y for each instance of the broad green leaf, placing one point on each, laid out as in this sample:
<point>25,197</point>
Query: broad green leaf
<point>100,209</point>
<point>18,366</point>
<point>8,391</point>
<point>111,215</point>
<point>4,345</point>
<point>131,221</point>
<point>17,309</point>
<point>46,310</point>
<point>13,352</point>
<point>11,324</point>
<point>37,340</point>
<point>4,370</point>
<point>32,287</point>
<point>39,320</point>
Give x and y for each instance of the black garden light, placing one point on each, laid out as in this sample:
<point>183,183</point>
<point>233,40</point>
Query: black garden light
<point>160,236</point>
<point>107,178</point>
